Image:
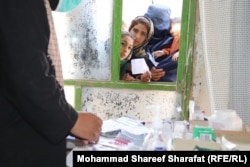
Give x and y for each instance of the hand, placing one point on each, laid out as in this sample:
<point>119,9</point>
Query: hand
<point>175,56</point>
<point>158,53</point>
<point>128,77</point>
<point>80,142</point>
<point>157,74</point>
<point>87,127</point>
<point>146,77</point>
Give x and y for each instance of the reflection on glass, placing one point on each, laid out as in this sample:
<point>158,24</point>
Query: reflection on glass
<point>84,35</point>
<point>159,46</point>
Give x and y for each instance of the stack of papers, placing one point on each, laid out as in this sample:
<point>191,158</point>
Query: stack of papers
<point>111,128</point>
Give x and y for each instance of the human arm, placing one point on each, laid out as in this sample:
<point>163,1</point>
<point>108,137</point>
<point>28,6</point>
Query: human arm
<point>158,53</point>
<point>27,76</point>
<point>87,127</point>
<point>174,47</point>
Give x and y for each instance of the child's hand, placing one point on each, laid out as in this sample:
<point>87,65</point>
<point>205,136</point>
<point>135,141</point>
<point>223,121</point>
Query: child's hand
<point>175,56</point>
<point>127,77</point>
<point>158,53</point>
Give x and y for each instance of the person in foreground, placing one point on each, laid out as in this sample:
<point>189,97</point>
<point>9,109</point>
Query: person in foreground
<point>35,116</point>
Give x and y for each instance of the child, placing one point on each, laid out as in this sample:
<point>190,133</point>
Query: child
<point>174,47</point>
<point>127,41</point>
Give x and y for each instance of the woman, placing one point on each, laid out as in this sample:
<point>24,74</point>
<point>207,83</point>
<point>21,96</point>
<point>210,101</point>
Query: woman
<point>160,16</point>
<point>166,70</point>
<point>142,29</point>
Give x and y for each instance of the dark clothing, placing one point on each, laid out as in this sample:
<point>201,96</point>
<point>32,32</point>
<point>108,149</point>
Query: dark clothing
<point>160,16</point>
<point>35,116</point>
<point>169,66</point>
<point>53,4</point>
<point>123,68</point>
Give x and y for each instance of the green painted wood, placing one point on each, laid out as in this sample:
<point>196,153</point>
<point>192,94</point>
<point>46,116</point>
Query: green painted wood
<point>116,40</point>
<point>120,84</point>
<point>185,62</point>
<point>184,74</point>
<point>78,97</point>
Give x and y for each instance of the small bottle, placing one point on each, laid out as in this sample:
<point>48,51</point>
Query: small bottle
<point>155,139</point>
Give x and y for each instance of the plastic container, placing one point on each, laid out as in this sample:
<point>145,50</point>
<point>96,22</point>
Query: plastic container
<point>155,139</point>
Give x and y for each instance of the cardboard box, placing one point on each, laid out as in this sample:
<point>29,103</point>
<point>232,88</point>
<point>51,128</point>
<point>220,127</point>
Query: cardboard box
<point>193,123</point>
<point>189,145</point>
<point>240,138</point>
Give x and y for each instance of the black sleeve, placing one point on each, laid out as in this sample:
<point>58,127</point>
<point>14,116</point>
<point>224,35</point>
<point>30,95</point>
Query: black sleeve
<point>26,76</point>
<point>53,4</point>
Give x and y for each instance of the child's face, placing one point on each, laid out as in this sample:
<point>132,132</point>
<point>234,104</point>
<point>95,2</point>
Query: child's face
<point>126,47</point>
<point>175,29</point>
<point>139,31</point>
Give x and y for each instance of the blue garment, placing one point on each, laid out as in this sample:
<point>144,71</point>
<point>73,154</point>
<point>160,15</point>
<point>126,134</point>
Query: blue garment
<point>67,5</point>
<point>169,66</point>
<point>160,16</point>
<point>170,76</point>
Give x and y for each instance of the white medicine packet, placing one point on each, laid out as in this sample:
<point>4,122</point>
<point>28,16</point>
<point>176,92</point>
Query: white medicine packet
<point>139,66</point>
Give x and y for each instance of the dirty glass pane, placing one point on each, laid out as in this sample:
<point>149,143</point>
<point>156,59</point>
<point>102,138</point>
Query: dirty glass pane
<point>84,35</point>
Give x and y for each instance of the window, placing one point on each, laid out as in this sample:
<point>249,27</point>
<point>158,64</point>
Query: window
<point>89,40</point>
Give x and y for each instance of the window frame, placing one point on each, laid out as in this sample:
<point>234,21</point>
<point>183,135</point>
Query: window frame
<point>184,71</point>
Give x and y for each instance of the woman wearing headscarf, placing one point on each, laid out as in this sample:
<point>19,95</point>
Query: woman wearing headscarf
<point>162,38</point>
<point>160,16</point>
<point>142,29</point>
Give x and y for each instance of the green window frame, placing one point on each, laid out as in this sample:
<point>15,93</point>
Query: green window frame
<point>184,72</point>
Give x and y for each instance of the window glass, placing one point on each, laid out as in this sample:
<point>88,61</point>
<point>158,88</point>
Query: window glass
<point>84,40</point>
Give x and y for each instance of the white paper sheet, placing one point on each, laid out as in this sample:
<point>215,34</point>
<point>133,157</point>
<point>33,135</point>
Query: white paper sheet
<point>152,59</point>
<point>139,66</point>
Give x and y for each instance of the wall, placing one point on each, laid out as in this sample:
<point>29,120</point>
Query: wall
<point>199,87</point>
<point>113,103</point>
